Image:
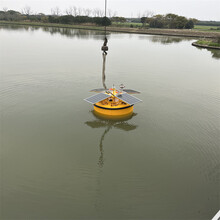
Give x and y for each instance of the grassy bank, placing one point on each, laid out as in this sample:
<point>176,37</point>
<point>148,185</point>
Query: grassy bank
<point>208,43</point>
<point>139,25</point>
<point>213,44</point>
<point>135,30</point>
<point>127,24</point>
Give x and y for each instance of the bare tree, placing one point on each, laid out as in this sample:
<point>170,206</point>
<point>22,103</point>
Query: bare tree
<point>145,17</point>
<point>87,12</point>
<point>5,9</point>
<point>148,14</point>
<point>56,11</point>
<point>75,11</point>
<point>69,11</point>
<point>102,13</point>
<point>98,12</point>
<point>27,10</point>
<point>94,12</point>
<point>139,14</point>
<point>111,13</point>
<point>79,11</point>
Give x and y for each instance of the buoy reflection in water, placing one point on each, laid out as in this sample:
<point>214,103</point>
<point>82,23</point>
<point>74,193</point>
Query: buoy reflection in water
<point>109,122</point>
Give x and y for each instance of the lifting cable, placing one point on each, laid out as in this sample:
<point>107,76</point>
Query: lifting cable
<point>104,49</point>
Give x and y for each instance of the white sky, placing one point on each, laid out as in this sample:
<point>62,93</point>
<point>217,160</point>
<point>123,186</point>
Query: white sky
<point>200,9</point>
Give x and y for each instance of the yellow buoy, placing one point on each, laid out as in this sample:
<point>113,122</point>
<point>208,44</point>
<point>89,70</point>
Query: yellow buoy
<point>113,103</point>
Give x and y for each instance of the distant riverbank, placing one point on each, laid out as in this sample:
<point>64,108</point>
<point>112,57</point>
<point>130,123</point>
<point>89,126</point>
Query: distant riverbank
<point>151,31</point>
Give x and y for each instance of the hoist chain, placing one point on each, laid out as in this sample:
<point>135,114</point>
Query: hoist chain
<point>104,54</point>
<point>104,49</point>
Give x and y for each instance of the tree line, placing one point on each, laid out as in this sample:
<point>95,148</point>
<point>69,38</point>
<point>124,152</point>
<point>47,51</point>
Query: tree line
<point>26,15</point>
<point>74,15</point>
<point>171,21</point>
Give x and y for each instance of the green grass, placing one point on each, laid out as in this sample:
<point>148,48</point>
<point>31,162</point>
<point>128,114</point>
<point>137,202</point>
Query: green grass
<point>208,43</point>
<point>127,24</point>
<point>206,28</point>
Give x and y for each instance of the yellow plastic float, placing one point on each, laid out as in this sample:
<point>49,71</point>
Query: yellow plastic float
<point>113,102</point>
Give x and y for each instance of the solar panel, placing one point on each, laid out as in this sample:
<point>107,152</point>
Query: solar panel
<point>97,98</point>
<point>131,100</point>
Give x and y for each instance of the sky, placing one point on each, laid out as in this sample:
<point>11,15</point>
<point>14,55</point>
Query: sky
<point>200,9</point>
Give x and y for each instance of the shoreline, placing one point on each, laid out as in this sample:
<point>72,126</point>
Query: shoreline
<point>162,32</point>
<point>205,46</point>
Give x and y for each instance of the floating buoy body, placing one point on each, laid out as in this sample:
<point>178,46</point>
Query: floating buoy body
<point>113,106</point>
<point>107,107</point>
<point>113,103</point>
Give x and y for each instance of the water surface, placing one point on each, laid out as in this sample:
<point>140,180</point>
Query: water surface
<point>59,161</point>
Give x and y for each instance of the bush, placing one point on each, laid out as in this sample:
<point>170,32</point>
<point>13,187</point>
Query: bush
<point>189,24</point>
<point>102,21</point>
<point>53,19</point>
<point>118,19</point>
<point>44,19</point>
<point>156,23</point>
